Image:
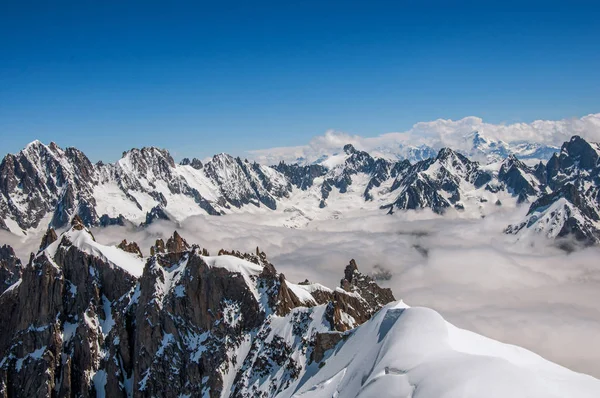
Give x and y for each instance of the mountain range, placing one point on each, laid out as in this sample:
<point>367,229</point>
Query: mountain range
<point>46,186</point>
<point>419,145</point>
<point>473,145</point>
<point>81,318</point>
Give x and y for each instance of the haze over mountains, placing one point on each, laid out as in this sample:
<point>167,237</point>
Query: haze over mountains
<point>470,136</point>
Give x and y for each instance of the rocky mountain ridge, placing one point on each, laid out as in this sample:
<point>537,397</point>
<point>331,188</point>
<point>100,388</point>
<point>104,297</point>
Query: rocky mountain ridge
<point>83,319</point>
<point>47,186</point>
<point>571,204</point>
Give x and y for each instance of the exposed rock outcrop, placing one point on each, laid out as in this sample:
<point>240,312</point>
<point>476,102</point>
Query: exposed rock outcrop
<point>570,207</point>
<point>10,268</point>
<point>48,238</point>
<point>79,325</point>
<point>130,247</point>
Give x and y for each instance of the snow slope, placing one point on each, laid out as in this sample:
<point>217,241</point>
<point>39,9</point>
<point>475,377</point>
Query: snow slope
<point>83,240</point>
<point>414,352</point>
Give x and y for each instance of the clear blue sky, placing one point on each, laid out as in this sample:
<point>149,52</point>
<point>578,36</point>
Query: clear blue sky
<point>206,77</point>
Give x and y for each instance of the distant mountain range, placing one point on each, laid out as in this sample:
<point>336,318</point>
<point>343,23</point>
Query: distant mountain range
<point>473,145</point>
<point>46,186</point>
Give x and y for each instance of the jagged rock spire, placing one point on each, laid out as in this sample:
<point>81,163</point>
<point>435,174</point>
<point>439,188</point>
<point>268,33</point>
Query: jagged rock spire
<point>10,267</point>
<point>176,244</point>
<point>159,247</point>
<point>77,223</point>
<point>130,247</point>
<point>48,238</point>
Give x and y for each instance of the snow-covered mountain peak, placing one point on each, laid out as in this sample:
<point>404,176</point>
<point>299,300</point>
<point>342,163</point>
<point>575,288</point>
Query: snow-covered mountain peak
<point>577,150</point>
<point>49,185</point>
<point>446,154</point>
<point>512,161</point>
<point>453,162</point>
<point>141,161</point>
<point>477,139</point>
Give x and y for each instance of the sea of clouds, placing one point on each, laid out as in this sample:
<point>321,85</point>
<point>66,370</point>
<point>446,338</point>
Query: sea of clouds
<point>531,294</point>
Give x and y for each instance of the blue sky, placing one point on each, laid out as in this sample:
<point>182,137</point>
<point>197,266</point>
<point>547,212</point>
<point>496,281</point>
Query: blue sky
<point>200,78</point>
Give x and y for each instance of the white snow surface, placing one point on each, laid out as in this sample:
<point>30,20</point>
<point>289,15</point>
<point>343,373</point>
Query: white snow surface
<point>129,262</point>
<point>303,294</point>
<point>414,352</point>
<point>550,220</point>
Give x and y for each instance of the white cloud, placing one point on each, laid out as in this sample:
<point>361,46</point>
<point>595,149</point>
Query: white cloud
<point>529,294</point>
<point>534,296</point>
<point>439,133</point>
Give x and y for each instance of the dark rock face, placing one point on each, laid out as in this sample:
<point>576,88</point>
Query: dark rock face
<point>41,178</point>
<point>372,298</point>
<point>356,282</point>
<point>184,318</point>
<point>130,247</point>
<point>380,173</point>
<point>540,173</point>
<point>195,163</point>
<point>301,176</point>
<point>349,149</point>
<point>518,177</point>
<point>571,204</point>
<point>176,244</point>
<point>325,342</point>
<point>49,237</point>
<point>159,247</point>
<point>260,258</point>
<point>576,154</point>
<point>56,321</point>
<point>419,194</point>
<point>241,182</point>
<point>157,213</point>
<point>10,268</point>
<point>203,326</point>
<point>29,332</point>
<point>87,212</point>
<point>106,220</point>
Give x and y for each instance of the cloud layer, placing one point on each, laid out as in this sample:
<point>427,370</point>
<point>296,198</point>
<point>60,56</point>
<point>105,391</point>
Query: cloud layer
<point>437,134</point>
<point>532,295</point>
<point>529,294</point>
